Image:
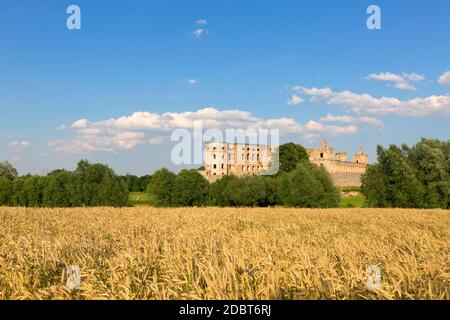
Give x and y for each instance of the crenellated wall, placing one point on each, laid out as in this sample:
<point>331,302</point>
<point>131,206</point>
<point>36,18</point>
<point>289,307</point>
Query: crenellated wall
<point>344,172</point>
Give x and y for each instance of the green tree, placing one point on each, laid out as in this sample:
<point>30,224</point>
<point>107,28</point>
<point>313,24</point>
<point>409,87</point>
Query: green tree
<point>161,187</point>
<point>283,188</point>
<point>98,185</point>
<point>190,189</point>
<point>6,191</point>
<point>129,181</point>
<point>112,191</point>
<point>331,196</point>
<point>394,181</point>
<point>305,190</point>
<point>431,161</point>
<point>141,183</point>
<point>246,191</point>
<point>18,198</point>
<point>291,154</point>
<point>33,189</point>
<point>217,192</point>
<point>270,185</point>
<point>8,171</point>
<point>59,191</point>
<point>374,187</point>
<point>308,186</point>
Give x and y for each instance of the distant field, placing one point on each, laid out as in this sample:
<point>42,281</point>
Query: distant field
<point>211,253</point>
<point>353,202</point>
<point>140,199</point>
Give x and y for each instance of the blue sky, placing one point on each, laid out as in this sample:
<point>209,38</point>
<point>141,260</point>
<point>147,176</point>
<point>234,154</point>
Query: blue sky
<point>312,68</point>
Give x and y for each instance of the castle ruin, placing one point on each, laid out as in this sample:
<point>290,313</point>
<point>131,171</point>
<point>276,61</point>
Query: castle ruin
<point>222,159</point>
<point>344,172</point>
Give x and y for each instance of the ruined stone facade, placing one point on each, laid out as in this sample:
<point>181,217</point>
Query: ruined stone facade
<point>344,172</point>
<point>223,159</point>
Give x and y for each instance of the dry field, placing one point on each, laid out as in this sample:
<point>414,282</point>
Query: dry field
<point>146,253</point>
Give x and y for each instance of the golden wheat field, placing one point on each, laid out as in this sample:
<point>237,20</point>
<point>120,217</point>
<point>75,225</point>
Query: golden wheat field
<point>211,253</point>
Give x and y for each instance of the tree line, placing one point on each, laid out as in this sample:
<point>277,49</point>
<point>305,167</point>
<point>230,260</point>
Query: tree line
<point>410,177</point>
<point>299,183</point>
<point>403,177</point>
<point>89,185</point>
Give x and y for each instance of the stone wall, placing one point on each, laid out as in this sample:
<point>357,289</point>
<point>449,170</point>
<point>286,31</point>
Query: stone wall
<point>346,179</point>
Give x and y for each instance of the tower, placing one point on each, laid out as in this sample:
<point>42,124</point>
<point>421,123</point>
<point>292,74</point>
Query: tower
<point>361,157</point>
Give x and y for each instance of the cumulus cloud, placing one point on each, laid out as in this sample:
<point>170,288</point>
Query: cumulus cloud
<point>370,121</point>
<point>331,118</point>
<point>294,100</point>
<point>400,81</point>
<point>147,128</point>
<point>19,145</point>
<point>202,22</point>
<point>365,103</point>
<point>444,79</point>
<point>317,127</point>
<point>374,122</point>
<point>414,76</point>
<point>82,123</point>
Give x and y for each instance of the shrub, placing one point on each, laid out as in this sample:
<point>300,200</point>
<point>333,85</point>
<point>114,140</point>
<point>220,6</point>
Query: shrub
<point>307,186</point>
<point>217,192</point>
<point>161,187</point>
<point>190,189</point>
<point>246,191</point>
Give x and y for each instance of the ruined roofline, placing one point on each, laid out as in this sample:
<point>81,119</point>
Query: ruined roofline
<point>338,161</point>
<point>242,144</point>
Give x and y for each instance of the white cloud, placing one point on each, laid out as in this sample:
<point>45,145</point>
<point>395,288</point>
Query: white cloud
<point>365,103</point>
<point>414,76</point>
<point>19,145</point>
<point>128,139</point>
<point>157,140</point>
<point>294,100</point>
<point>199,32</point>
<point>405,86</point>
<point>82,123</point>
<point>192,82</point>
<point>399,81</point>
<point>386,76</point>
<point>374,122</point>
<point>317,127</point>
<point>142,128</point>
<point>444,79</point>
<point>202,22</point>
<point>79,145</point>
<point>331,118</point>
